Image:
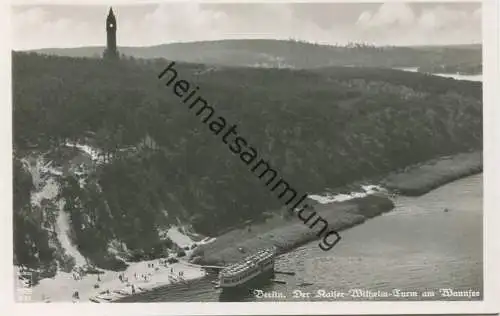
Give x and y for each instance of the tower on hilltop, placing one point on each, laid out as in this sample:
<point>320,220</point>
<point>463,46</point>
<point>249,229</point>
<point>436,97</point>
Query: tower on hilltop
<point>111,51</point>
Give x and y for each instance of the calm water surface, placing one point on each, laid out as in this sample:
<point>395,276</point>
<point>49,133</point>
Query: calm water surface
<point>478,77</point>
<point>416,247</point>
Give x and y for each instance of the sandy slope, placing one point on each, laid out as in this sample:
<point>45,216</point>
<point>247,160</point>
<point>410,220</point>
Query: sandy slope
<point>179,238</point>
<point>62,228</point>
<point>330,198</point>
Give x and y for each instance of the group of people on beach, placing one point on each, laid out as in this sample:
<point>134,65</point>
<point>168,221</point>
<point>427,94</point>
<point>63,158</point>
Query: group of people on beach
<point>79,274</point>
<point>147,276</point>
<point>123,278</point>
<point>144,276</point>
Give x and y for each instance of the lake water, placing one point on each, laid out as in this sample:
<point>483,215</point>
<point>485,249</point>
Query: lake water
<point>454,76</point>
<point>417,247</point>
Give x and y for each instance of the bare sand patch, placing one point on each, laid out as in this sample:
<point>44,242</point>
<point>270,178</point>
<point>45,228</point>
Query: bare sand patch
<point>63,285</point>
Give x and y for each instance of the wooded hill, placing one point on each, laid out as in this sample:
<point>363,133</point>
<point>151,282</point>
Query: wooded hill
<point>321,129</point>
<point>297,54</point>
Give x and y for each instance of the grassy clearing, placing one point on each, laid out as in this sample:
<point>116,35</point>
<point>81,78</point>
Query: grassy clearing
<point>425,177</point>
<point>286,234</point>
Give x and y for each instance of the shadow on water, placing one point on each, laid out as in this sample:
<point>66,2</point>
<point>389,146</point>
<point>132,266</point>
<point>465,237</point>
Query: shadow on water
<point>244,294</point>
<point>195,290</point>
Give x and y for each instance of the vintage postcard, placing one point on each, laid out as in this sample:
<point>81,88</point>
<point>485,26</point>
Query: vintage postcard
<point>257,158</point>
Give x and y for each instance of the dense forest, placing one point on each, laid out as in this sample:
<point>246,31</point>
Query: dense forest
<point>300,54</point>
<point>321,129</point>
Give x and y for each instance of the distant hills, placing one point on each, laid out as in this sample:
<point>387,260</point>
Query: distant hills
<point>296,54</point>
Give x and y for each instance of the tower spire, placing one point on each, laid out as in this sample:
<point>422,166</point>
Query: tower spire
<point>111,51</point>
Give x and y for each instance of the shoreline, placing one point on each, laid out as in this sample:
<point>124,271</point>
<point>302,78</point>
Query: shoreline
<point>430,175</point>
<point>208,276</point>
<point>284,233</point>
<point>139,277</point>
<point>170,286</point>
<point>288,234</point>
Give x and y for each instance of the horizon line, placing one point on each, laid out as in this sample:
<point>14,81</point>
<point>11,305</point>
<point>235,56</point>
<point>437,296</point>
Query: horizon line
<point>252,39</point>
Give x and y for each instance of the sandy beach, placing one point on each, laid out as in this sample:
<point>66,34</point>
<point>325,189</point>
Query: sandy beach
<point>63,285</point>
<point>139,277</point>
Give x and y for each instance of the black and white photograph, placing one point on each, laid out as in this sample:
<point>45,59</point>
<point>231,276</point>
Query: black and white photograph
<point>249,152</point>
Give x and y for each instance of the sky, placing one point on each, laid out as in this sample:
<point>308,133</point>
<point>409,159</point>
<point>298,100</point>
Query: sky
<point>392,23</point>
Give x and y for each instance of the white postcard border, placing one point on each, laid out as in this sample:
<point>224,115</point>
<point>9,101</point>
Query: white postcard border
<point>491,95</point>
